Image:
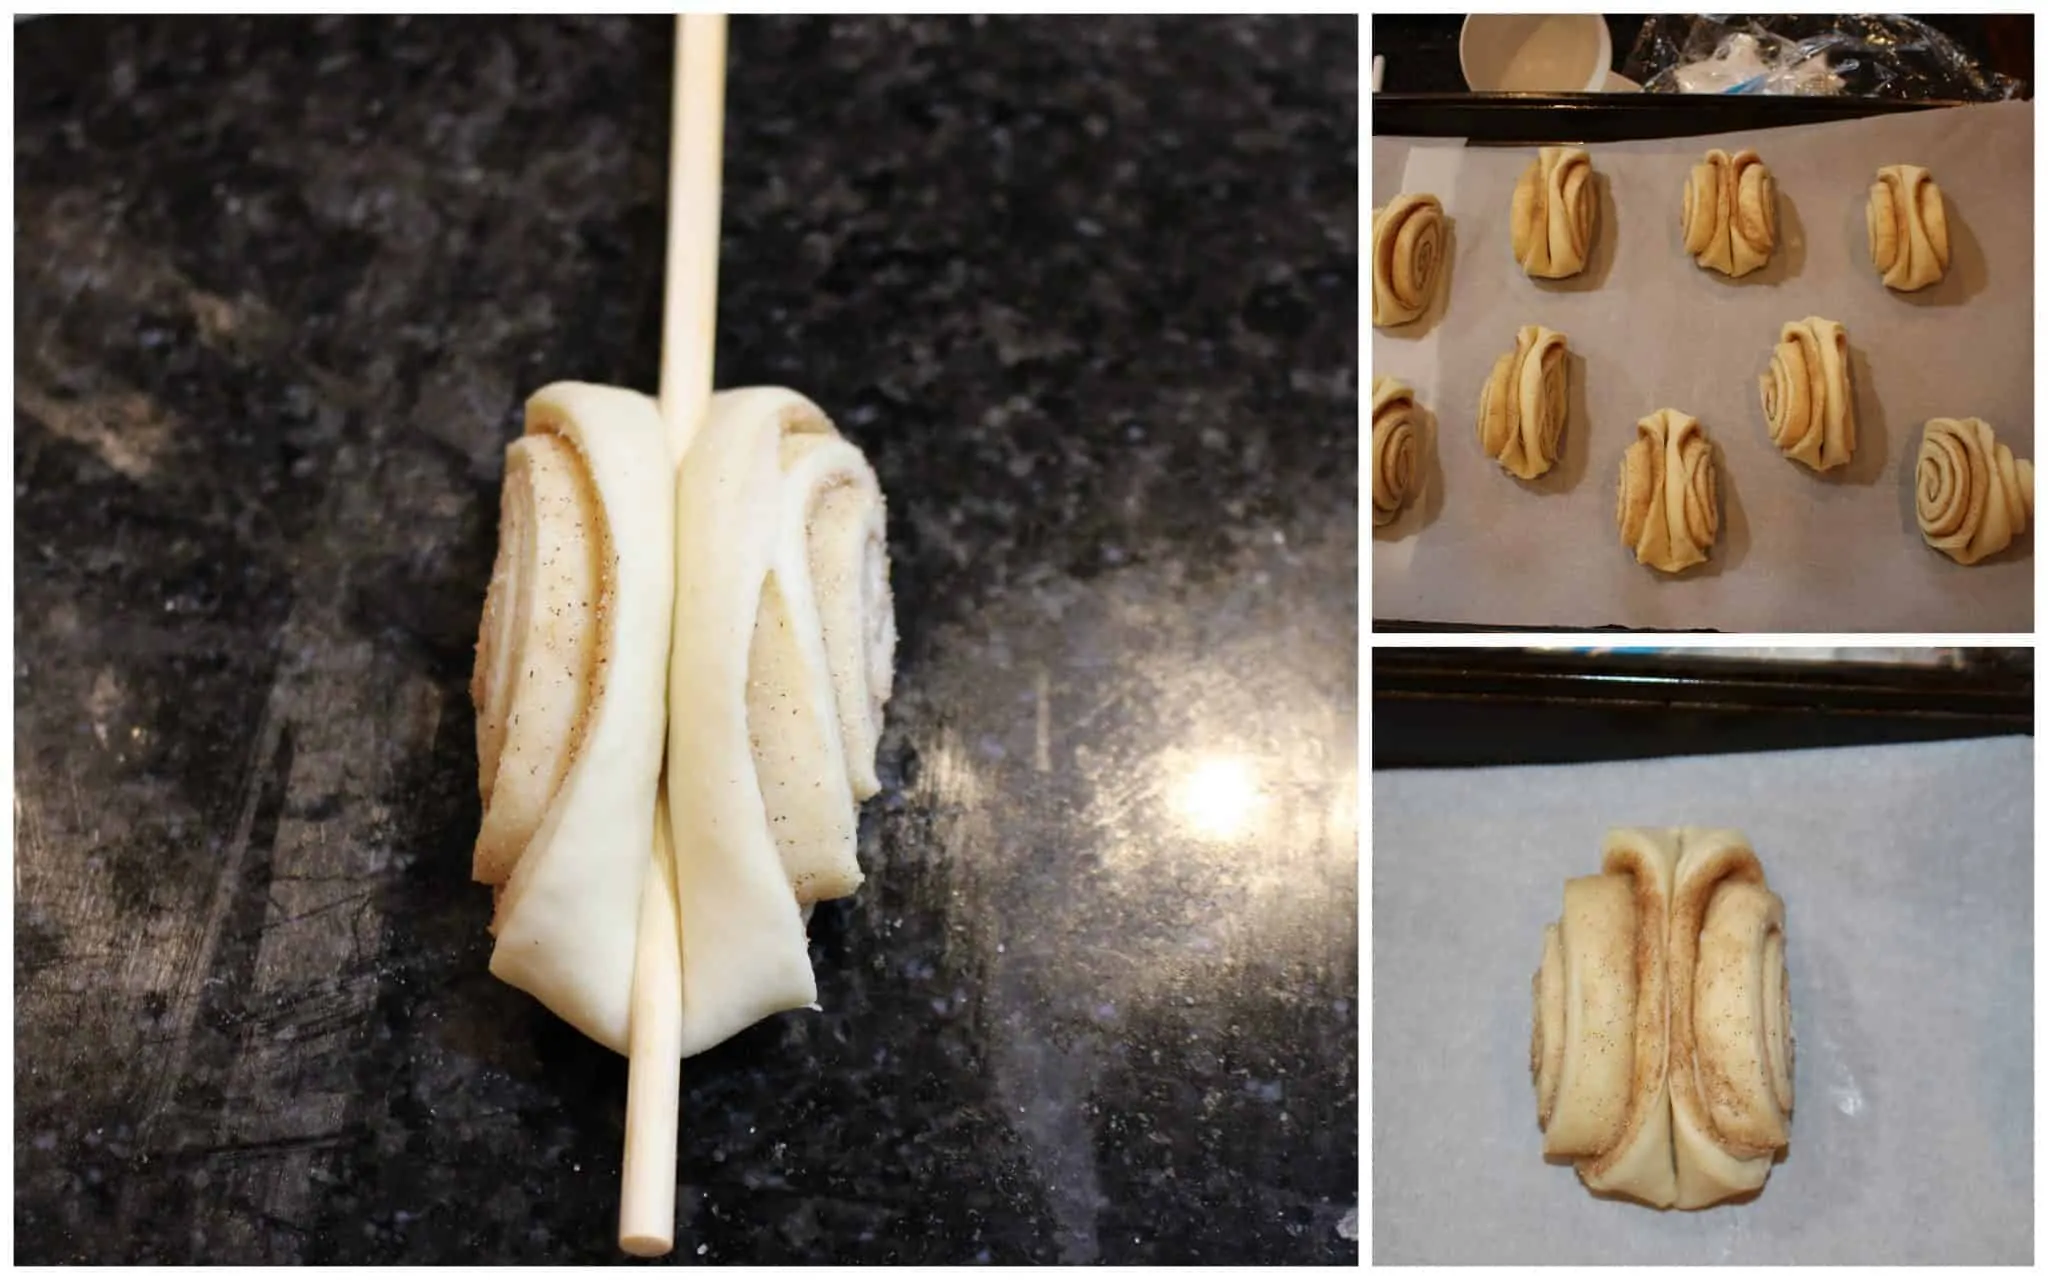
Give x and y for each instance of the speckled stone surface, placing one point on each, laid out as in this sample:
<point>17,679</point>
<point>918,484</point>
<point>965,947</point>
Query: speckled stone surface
<point>1086,291</point>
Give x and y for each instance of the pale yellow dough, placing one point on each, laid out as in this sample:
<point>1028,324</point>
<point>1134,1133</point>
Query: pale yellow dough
<point>1908,228</point>
<point>1522,406</point>
<point>1730,214</point>
<point>1808,406</point>
<point>1407,256</point>
<point>1971,495</point>
<point>1555,213</point>
<point>1667,505</point>
<point>1395,447</point>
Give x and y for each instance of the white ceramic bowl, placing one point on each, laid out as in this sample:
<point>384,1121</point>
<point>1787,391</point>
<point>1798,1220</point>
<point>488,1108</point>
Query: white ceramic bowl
<point>1537,53</point>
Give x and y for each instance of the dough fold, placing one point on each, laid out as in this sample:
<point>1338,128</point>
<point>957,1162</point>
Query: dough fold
<point>1394,448</point>
<point>1808,406</point>
<point>1407,253</point>
<point>1555,211</point>
<point>1908,229</point>
<point>782,662</point>
<point>1971,496</point>
<point>1730,215</point>
<point>1522,406</point>
<point>1662,1046</point>
<point>1731,1025</point>
<point>1666,504</point>
<point>570,689</point>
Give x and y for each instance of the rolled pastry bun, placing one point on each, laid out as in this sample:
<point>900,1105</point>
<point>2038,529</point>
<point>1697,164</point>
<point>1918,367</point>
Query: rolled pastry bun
<point>1908,230</point>
<point>1666,505</point>
<point>570,689</point>
<point>783,659</point>
<point>1394,448</point>
<point>1972,497</point>
<point>1662,1045</point>
<point>1730,216</point>
<point>1808,407</point>
<point>1522,406</point>
<point>1555,212</point>
<point>1407,254</point>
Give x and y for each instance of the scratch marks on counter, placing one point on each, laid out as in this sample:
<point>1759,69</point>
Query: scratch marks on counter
<point>314,982</point>
<point>1047,1090</point>
<point>192,967</point>
<point>1041,752</point>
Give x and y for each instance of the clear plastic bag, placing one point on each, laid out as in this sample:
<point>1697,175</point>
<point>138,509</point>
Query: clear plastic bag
<point>1875,56</point>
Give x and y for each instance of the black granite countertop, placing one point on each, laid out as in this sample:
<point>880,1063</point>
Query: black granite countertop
<point>1086,292</point>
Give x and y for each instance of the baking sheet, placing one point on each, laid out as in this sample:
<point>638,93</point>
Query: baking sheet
<point>1907,880</point>
<point>1649,329</point>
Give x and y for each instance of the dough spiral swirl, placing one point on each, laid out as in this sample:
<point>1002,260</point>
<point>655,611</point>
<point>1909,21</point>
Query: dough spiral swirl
<point>784,647</point>
<point>1394,448</point>
<point>1407,254</point>
<point>1808,406</point>
<point>1971,496</point>
<point>570,689</point>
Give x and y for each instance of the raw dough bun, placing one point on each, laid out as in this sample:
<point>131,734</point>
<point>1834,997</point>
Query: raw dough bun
<point>570,689</point>
<point>1972,497</point>
<point>1553,218</point>
<point>1522,407</point>
<point>1666,504</point>
<point>783,658</point>
<point>1807,402</point>
<point>1908,230</point>
<point>1731,213</point>
<point>1662,1046</point>
<point>1394,448</point>
<point>1407,252</point>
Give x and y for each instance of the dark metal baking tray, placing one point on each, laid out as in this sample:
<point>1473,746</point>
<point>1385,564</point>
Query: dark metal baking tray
<point>1441,708</point>
<point>1525,119</point>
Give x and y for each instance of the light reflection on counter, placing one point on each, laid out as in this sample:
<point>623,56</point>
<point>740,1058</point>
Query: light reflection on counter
<point>1157,807</point>
<point>1217,797</point>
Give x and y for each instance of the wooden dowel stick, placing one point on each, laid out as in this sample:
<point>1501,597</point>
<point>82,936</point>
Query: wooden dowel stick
<point>689,316</point>
<point>654,1079</point>
<point>689,321</point>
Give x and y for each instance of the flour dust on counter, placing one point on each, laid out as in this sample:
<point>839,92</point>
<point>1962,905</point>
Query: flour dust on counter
<point>281,285</point>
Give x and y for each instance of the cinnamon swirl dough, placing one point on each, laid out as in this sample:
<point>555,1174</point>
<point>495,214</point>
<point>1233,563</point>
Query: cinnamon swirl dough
<point>1394,448</point>
<point>1807,403</point>
<point>570,689</point>
<point>784,648</point>
<point>1555,212</point>
<point>1598,1050</point>
<point>1908,229</point>
<point>1971,496</point>
<point>1730,216</point>
<point>1407,253</point>
<point>1731,1021</point>
<point>764,554</point>
<point>1662,1046</point>
<point>1522,406</point>
<point>1667,506</point>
